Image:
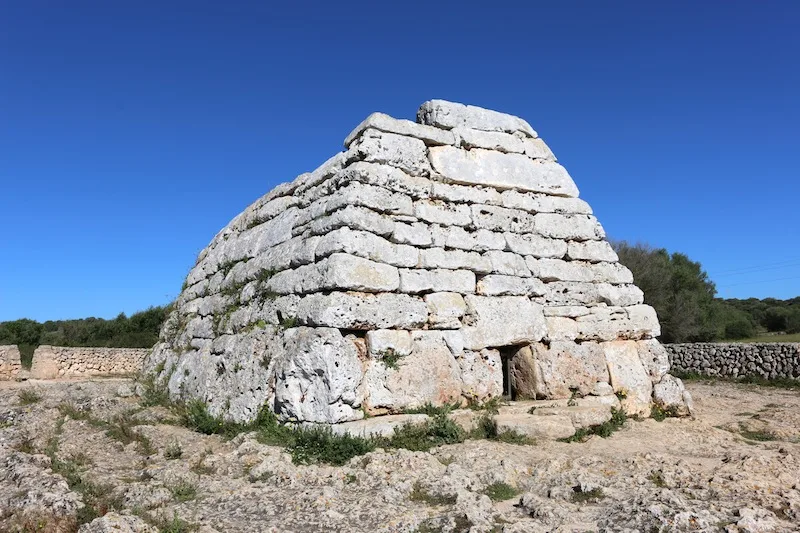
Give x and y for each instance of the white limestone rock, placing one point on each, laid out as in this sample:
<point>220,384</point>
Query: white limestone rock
<point>504,285</point>
<point>561,328</point>
<point>416,234</point>
<point>353,310</point>
<point>508,264</point>
<point>406,153</point>
<point>568,227</point>
<point>449,115</point>
<point>490,140</point>
<point>439,212</point>
<point>366,245</point>
<point>535,245</point>
<point>445,309</point>
<point>382,122</point>
<point>565,366</point>
<point>593,251</point>
<point>654,358</point>
<point>388,177</point>
<point>629,377</point>
<point>318,378</point>
<point>671,396</point>
<point>416,280</point>
<point>454,260</point>
<point>430,374</point>
<point>502,321</point>
<point>495,218</point>
<point>481,240</point>
<point>464,194</point>
<point>544,203</point>
<point>481,375</point>
<point>382,341</point>
<point>502,171</point>
<point>355,218</point>
<point>537,149</point>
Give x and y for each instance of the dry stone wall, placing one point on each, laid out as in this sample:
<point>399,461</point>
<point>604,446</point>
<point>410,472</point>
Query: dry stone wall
<point>445,260</point>
<point>767,360</point>
<point>10,364</point>
<point>50,362</point>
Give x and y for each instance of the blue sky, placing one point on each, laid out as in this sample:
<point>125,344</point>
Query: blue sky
<point>130,133</point>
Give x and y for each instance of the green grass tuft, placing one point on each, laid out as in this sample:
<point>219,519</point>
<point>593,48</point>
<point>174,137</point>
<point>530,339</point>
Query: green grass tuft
<point>499,492</point>
<point>28,397</point>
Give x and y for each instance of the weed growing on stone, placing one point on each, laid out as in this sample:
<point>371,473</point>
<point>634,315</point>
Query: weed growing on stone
<point>183,491</point>
<point>582,496</point>
<point>605,430</point>
<point>500,491</point>
<point>25,444</point>
<point>28,397</point>
<point>486,428</point>
<point>433,410</point>
<point>657,478</point>
<point>389,358</point>
<point>320,445</point>
<point>173,451</point>
<point>437,431</point>
<point>419,494</point>
<point>659,414</point>
<point>289,322</point>
<point>491,405</point>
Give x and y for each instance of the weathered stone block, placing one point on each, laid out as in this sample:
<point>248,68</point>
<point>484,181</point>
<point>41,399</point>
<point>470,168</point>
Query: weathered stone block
<point>417,280</point>
<point>362,311</point>
<point>628,376</point>
<point>502,321</point>
<point>385,123</point>
<point>449,115</point>
<point>406,153</point>
<point>445,309</point>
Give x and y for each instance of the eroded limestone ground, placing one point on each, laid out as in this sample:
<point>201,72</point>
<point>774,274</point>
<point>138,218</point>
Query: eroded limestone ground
<point>735,467</point>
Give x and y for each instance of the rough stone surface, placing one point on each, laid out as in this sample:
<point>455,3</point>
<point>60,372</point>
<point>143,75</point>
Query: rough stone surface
<point>764,360</point>
<point>10,364</point>
<point>51,362</point>
<point>408,270</point>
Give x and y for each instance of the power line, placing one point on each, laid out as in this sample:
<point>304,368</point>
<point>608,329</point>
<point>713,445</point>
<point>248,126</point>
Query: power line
<point>752,270</point>
<point>756,267</point>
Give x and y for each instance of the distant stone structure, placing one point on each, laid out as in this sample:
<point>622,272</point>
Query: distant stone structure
<point>768,360</point>
<point>439,261</point>
<point>10,364</point>
<point>50,362</point>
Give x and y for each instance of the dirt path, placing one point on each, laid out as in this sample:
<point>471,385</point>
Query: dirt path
<point>734,467</point>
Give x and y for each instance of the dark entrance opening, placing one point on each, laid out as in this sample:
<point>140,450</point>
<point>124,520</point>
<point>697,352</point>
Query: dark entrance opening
<point>506,356</point>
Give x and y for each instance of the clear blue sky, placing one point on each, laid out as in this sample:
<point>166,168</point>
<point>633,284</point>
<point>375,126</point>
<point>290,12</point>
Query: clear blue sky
<point>131,132</point>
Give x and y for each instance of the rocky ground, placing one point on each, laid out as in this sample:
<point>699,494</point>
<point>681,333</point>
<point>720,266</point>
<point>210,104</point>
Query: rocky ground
<point>73,450</point>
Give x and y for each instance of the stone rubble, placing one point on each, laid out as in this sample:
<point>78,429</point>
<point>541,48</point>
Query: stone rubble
<point>420,265</point>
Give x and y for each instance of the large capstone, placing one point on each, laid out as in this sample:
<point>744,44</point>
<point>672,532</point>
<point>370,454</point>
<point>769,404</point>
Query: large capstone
<point>431,262</point>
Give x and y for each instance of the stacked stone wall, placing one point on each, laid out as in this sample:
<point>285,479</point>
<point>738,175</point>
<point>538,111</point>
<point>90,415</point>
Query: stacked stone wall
<point>767,360</point>
<point>50,362</point>
<point>403,271</point>
<point>10,364</point>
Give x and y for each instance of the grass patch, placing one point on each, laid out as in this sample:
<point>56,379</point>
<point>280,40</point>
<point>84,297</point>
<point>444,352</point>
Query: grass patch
<point>389,358</point>
<point>605,430</point>
<point>25,444</point>
<point>320,445</point>
<point>28,397</point>
<point>758,435</point>
<point>419,494</point>
<point>657,478</point>
<point>486,428</point>
<point>491,405</point>
<point>499,492</point>
<point>791,337</point>
<point>433,410</point>
<point>173,451</point>
<point>659,413</point>
<point>183,491</point>
<point>437,431</point>
<point>588,496</point>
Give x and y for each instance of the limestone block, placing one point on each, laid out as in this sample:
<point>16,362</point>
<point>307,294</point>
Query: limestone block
<point>416,280</point>
<point>366,245</point>
<point>496,218</point>
<point>446,214</point>
<point>267,210</point>
<point>481,375</point>
<point>593,251</point>
<point>445,309</point>
<point>388,177</point>
<point>547,269</point>
<point>117,523</point>
<point>568,227</point>
<point>570,293</point>
<point>465,194</point>
<point>356,218</point>
<point>583,416</point>
<point>362,311</point>
<point>561,328</point>
<point>611,273</point>
<point>502,171</point>
<point>619,295</point>
<point>644,322</point>
<point>535,245</point>
<point>375,198</point>
<point>480,241</point>
<point>523,374</point>
<point>490,140</point>
<point>536,427</point>
<point>318,378</point>
<point>406,153</point>
<point>385,123</point>
<point>502,285</point>
<point>502,321</point>
<point>429,374</point>
<point>654,358</point>
<point>381,341</point>
<point>10,362</point>
<point>449,115</point>
<point>454,260</point>
<point>671,396</point>
<point>508,263</point>
<point>628,376</point>
<point>544,203</point>
<point>537,149</point>
<point>382,426</point>
<point>416,234</point>
<point>565,366</point>
<point>570,311</point>
<point>339,271</point>
<point>604,324</point>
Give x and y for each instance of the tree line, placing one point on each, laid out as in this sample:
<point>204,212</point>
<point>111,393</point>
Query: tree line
<point>685,299</point>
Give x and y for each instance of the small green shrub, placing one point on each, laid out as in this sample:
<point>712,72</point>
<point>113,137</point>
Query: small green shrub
<point>437,431</point>
<point>173,451</point>
<point>183,491</point>
<point>433,410</point>
<point>604,430</point>
<point>581,496</point>
<point>491,405</point>
<point>195,416</point>
<point>499,492</point>
<point>320,445</point>
<point>659,413</point>
<point>657,478</point>
<point>390,358</point>
<point>28,397</point>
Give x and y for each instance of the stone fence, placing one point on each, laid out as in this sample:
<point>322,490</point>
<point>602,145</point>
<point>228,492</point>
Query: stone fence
<point>10,364</point>
<point>51,362</point>
<point>767,360</point>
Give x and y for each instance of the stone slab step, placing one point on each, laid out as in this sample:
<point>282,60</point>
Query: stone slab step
<point>380,426</point>
<point>537,427</point>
